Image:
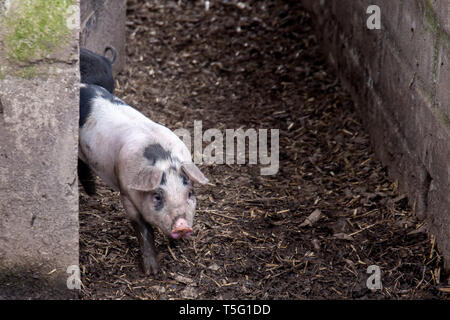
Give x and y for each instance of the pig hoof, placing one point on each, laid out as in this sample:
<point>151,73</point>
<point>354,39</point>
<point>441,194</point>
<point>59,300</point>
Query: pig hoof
<point>150,265</point>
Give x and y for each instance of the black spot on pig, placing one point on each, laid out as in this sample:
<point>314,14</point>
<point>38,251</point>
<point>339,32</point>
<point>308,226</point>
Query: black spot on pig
<point>163,179</point>
<point>87,93</point>
<point>96,69</point>
<point>155,152</point>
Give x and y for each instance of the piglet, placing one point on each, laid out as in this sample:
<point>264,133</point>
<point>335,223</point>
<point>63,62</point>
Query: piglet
<point>97,69</point>
<point>150,166</point>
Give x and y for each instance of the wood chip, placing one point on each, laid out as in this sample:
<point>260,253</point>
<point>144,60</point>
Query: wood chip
<point>312,218</point>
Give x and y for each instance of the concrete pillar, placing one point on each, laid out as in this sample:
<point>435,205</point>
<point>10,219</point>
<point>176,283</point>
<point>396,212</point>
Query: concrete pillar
<point>102,25</point>
<point>39,98</point>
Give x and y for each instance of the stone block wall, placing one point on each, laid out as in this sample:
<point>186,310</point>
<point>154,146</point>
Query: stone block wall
<point>399,76</point>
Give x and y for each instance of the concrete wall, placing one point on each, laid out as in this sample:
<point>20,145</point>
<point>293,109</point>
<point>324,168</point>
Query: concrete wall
<point>39,97</point>
<point>400,79</point>
<point>102,25</point>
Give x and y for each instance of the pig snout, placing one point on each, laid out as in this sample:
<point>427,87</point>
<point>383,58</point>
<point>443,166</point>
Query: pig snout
<point>181,229</point>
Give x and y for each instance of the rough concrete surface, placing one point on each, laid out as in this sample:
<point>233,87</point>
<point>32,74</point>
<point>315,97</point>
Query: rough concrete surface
<point>102,25</point>
<point>38,159</point>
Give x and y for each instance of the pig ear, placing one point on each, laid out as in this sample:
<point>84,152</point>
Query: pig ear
<point>147,179</point>
<point>194,173</point>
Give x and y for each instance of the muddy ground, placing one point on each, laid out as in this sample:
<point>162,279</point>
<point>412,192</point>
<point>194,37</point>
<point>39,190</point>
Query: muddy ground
<point>256,64</point>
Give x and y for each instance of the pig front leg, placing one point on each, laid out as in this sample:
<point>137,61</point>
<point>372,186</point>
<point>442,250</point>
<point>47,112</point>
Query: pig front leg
<point>144,232</point>
<point>147,245</point>
<point>86,177</point>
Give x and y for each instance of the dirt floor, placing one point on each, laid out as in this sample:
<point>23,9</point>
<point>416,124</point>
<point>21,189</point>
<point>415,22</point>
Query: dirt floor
<point>256,64</point>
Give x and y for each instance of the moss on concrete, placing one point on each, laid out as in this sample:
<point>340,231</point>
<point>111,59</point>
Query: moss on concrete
<point>28,72</point>
<point>444,120</point>
<point>435,24</point>
<point>431,17</point>
<point>36,28</point>
<point>441,37</point>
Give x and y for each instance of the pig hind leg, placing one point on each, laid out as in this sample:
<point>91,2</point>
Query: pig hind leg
<point>144,233</point>
<point>86,177</point>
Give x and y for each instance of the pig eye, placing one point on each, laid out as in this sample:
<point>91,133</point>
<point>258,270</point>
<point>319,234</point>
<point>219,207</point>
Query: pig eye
<point>191,194</point>
<point>185,180</point>
<point>158,200</point>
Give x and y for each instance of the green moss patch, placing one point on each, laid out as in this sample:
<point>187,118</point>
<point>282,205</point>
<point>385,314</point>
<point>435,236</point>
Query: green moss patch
<point>28,72</point>
<point>431,17</point>
<point>444,120</point>
<point>36,28</point>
